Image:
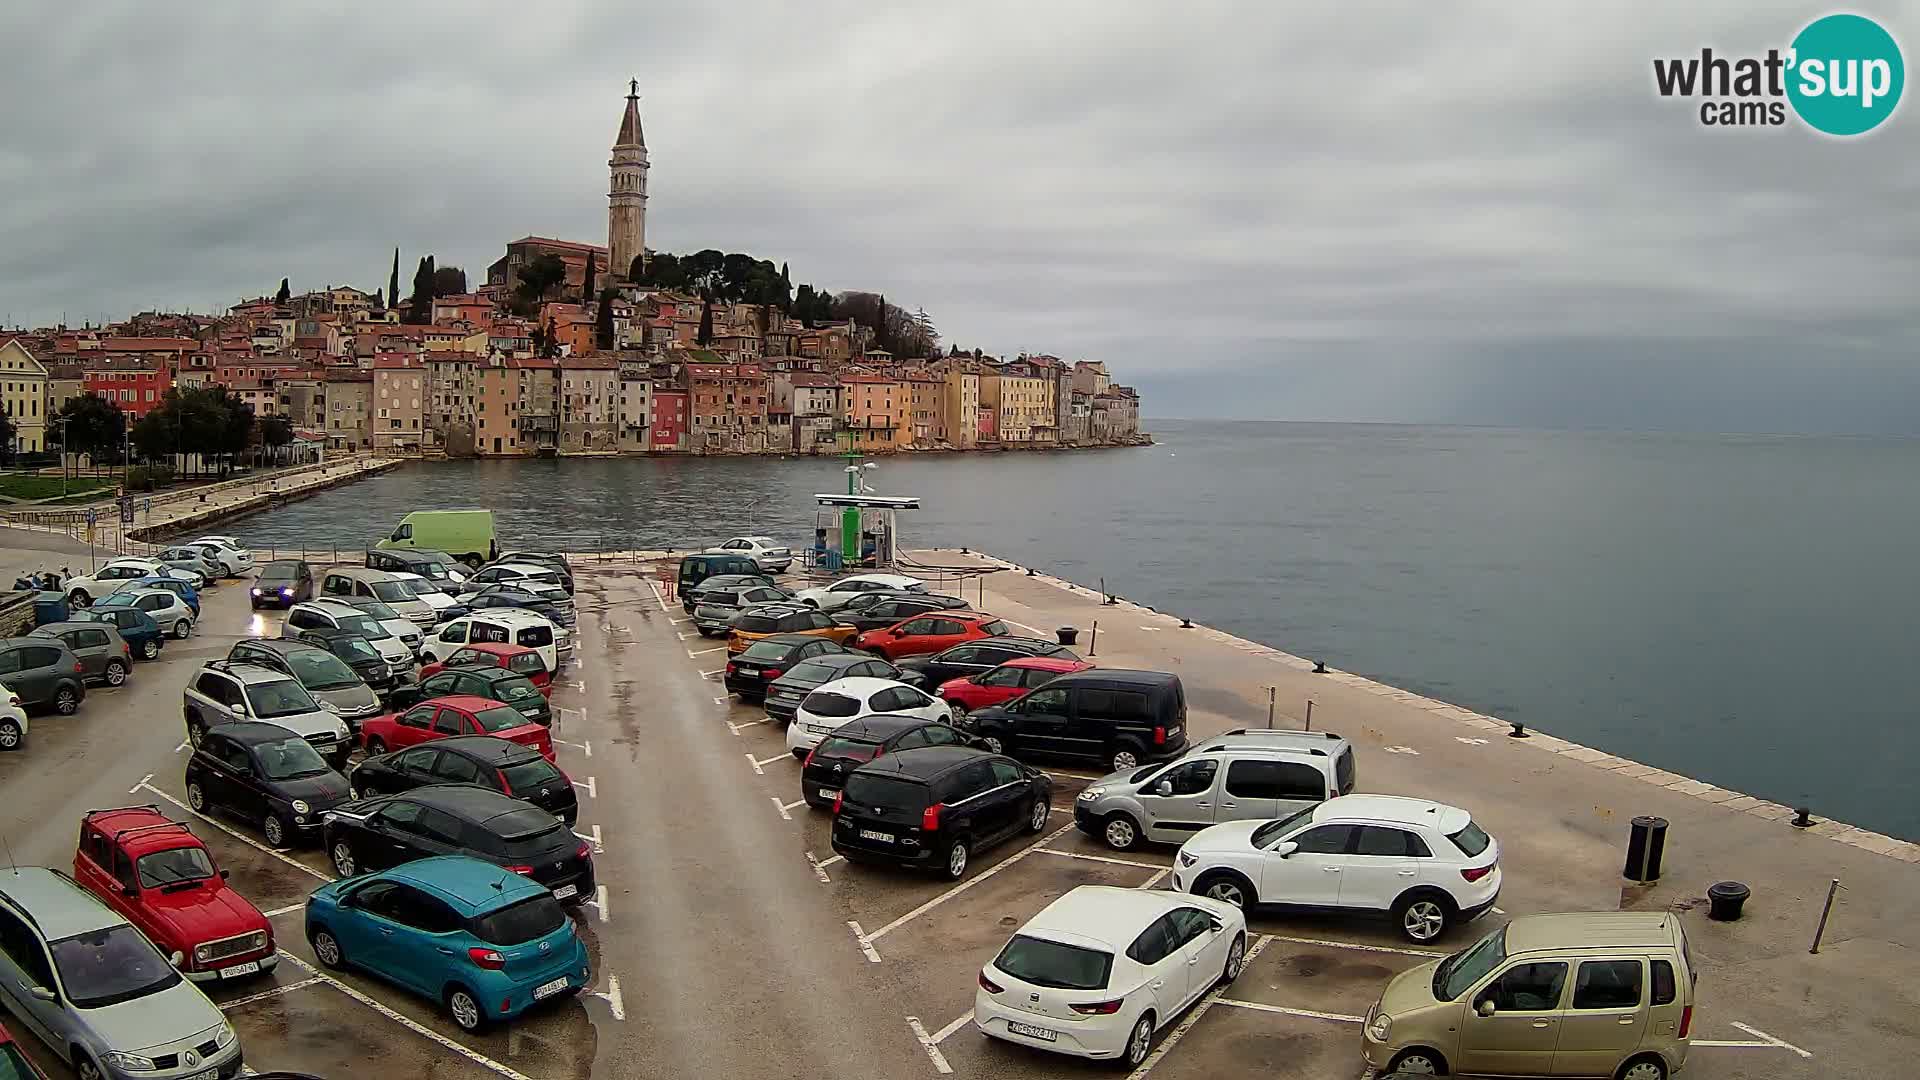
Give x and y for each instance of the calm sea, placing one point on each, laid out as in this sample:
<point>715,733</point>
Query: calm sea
<point>1736,608</point>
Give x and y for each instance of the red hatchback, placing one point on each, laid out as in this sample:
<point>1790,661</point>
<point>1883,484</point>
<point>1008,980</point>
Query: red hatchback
<point>929,633</point>
<point>457,714</point>
<point>518,659</point>
<point>1006,682</point>
<point>159,875</point>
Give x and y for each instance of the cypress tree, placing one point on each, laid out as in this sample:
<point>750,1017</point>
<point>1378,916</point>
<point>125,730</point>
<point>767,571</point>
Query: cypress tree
<point>393,280</point>
<point>603,322</point>
<point>586,289</point>
<point>284,294</point>
<point>706,320</point>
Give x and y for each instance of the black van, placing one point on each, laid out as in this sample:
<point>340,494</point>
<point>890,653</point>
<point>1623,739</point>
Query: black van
<point>935,806</point>
<point>1117,717</point>
<point>697,568</point>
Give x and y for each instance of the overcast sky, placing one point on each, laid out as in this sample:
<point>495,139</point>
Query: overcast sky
<point>1459,213</point>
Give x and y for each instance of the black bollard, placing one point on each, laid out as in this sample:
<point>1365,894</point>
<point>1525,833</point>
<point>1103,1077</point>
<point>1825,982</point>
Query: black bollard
<point>1725,899</point>
<point>1067,635</point>
<point>1319,667</point>
<point>1803,818</point>
<point>1646,844</point>
<point>1519,731</point>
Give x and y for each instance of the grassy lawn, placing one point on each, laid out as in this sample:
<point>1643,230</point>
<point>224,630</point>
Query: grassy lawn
<point>38,486</point>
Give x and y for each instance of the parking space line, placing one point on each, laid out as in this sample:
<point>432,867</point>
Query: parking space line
<point>288,910</point>
<point>958,1022</point>
<point>760,763</point>
<point>135,789</point>
<point>755,763</point>
<point>1284,1011</point>
<point>235,833</point>
<point>1157,878</point>
<point>613,999</point>
<point>599,847</point>
<point>831,859</point>
<point>963,887</point>
<point>1103,858</point>
<point>592,788</point>
<point>1781,1043</point>
<point>411,1025</point>
<point>866,942</point>
<point>930,1045</point>
<point>1179,1032</point>
<point>691,653</point>
<point>818,870</point>
<point>735,728</point>
<point>1423,953</point>
<point>782,807</point>
<point>265,994</point>
<point>599,902</point>
<point>714,672</point>
<point>657,596</point>
<point>182,747</point>
<point>683,636</point>
<point>584,747</point>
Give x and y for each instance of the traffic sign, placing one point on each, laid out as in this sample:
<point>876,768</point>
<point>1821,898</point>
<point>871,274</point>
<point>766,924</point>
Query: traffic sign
<point>126,509</point>
<point>92,516</point>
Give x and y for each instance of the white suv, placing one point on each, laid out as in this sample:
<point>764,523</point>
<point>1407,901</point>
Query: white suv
<point>1425,863</point>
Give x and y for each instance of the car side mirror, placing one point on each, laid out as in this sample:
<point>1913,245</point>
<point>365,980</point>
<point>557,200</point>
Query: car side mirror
<point>239,708</point>
<point>1286,849</point>
<point>1164,787</point>
<point>899,633</point>
<point>1484,1008</point>
<point>1218,926</point>
<point>41,993</point>
<point>225,873</point>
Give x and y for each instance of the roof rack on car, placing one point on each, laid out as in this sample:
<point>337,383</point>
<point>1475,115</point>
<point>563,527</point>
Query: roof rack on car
<point>155,807</point>
<point>1284,731</point>
<point>166,826</point>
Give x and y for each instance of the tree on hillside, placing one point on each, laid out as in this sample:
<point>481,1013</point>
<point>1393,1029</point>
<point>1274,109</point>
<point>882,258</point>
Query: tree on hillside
<point>284,294</point>
<point>586,286</point>
<point>786,289</point>
<point>706,321</point>
<point>537,278</point>
<point>803,305</point>
<point>379,300</point>
<point>603,322</point>
<point>641,272</point>
<point>6,438</point>
<point>420,305</point>
<point>552,347</point>
<point>393,280</point>
<point>822,307</point>
<point>449,281</point>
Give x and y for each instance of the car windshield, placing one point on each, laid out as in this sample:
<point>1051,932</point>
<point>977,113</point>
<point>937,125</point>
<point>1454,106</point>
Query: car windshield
<point>499,718</point>
<point>280,698</point>
<point>355,648</point>
<point>530,774</point>
<point>517,924</point>
<point>375,608</point>
<point>830,704</point>
<point>279,571</point>
<point>290,759</point>
<point>813,672</point>
<point>106,967</point>
<point>1273,830</point>
<point>1051,963</point>
<point>886,791</point>
<point>364,625</point>
<point>517,688</point>
<point>1457,973</point>
<point>319,670</point>
<point>767,650</point>
<point>845,746</point>
<point>1470,840</point>
<point>163,868</point>
<point>392,591</point>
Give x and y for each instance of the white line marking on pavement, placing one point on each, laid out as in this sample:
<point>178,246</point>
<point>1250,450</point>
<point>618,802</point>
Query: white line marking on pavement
<point>794,803</point>
<point>720,701</point>
<point>599,901</point>
<point>818,871</point>
<point>751,760</point>
<point>1284,1011</point>
<point>182,747</point>
<point>1498,911</point>
<point>777,757</point>
<point>928,1043</point>
<point>579,684</point>
<point>590,785</point>
<point>417,1028</point>
<point>1401,750</point>
<point>781,808</point>
<point>1354,945</point>
<point>288,910</point>
<point>967,884</point>
<point>135,789</point>
<point>1736,1044</point>
<point>682,635</point>
<point>1173,1037</point>
<point>677,622</point>
<point>1157,878</point>
<point>1102,858</point>
<point>660,599</point>
<point>237,835</point>
<point>613,999</point>
<point>735,728</point>
<point>584,747</point>
<point>866,943</point>
<point>691,653</point>
<point>958,1021</point>
<point>1763,1036</point>
<point>831,859</point>
<point>1469,741</point>
<point>593,838</point>
<point>1153,629</point>
<point>1075,775</point>
<point>273,993</point>
<point>715,672</point>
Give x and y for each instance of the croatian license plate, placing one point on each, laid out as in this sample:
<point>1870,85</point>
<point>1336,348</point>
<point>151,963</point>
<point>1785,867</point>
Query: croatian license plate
<point>1031,1032</point>
<point>251,967</point>
<point>740,669</point>
<point>547,990</point>
<point>565,891</point>
<point>874,834</point>
<point>827,793</point>
<point>204,1074</point>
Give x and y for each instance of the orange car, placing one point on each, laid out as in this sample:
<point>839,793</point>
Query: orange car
<point>929,632</point>
<point>769,619</point>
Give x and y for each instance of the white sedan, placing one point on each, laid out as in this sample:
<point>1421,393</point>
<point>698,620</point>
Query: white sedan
<point>1102,969</point>
<point>843,700</point>
<point>84,589</point>
<point>832,597</point>
<point>771,555</point>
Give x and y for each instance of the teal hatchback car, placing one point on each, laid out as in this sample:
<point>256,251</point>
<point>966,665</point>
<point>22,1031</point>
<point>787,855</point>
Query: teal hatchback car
<point>486,942</point>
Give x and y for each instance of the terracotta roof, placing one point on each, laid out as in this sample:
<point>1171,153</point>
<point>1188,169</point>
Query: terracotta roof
<point>531,363</point>
<point>143,344</point>
<point>568,245</point>
<point>590,362</point>
<point>391,363</point>
<point>806,379</point>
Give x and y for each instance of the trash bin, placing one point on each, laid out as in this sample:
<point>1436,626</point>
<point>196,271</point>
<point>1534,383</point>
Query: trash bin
<point>49,607</point>
<point>1724,900</point>
<point>1068,635</point>
<point>1646,843</point>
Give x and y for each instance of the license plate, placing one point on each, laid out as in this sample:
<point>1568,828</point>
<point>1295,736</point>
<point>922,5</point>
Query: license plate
<point>565,891</point>
<point>251,967</point>
<point>204,1074</point>
<point>753,671</point>
<point>827,793</point>
<point>874,834</point>
<point>547,990</point>
<point>1031,1032</point>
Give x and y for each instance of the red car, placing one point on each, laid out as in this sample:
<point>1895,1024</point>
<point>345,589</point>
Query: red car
<point>1006,682</point>
<point>457,714</point>
<point>13,1061</point>
<point>515,658</point>
<point>162,878</point>
<point>929,633</point>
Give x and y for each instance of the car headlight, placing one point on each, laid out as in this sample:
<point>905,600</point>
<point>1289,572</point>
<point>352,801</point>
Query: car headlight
<point>1380,1027</point>
<point>129,1062</point>
<point>256,592</point>
<point>1188,860</point>
<point>225,1036</point>
<point>329,706</point>
<point>202,953</point>
<point>300,806</point>
<point>1091,794</point>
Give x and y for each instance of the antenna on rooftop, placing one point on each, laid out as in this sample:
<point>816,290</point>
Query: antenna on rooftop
<point>9,847</point>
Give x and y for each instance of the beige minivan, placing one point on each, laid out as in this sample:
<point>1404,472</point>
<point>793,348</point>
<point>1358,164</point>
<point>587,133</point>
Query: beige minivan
<point>1601,994</point>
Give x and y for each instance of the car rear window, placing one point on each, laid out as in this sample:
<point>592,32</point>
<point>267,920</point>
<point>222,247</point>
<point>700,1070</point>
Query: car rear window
<point>766,650</point>
<point>1343,769</point>
<point>526,835</point>
<point>1470,840</point>
<point>499,718</point>
<point>828,704</point>
<point>888,791</point>
<point>529,775</point>
<point>840,746</point>
<point>757,624</point>
<point>995,627</point>
<point>517,688</point>
<point>526,664</point>
<point>517,924</point>
<point>817,670</point>
<point>799,620</point>
<point>1050,963</point>
<point>533,637</point>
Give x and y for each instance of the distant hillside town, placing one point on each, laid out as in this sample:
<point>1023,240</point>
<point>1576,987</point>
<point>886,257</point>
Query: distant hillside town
<point>571,349</point>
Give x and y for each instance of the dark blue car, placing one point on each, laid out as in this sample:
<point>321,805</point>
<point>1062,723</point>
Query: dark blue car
<point>482,940</point>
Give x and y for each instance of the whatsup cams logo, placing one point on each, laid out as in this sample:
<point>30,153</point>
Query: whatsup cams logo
<point>1842,75</point>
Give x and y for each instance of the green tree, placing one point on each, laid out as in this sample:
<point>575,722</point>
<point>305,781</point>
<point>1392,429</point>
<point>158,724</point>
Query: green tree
<point>379,300</point>
<point>803,305</point>
<point>7,432</point>
<point>552,347</point>
<point>822,306</point>
<point>786,290</point>
<point>586,286</point>
<point>393,280</point>
<point>449,281</point>
<point>706,321</point>
<point>157,435</point>
<point>94,426</point>
<point>538,277</point>
<point>603,322</point>
<point>284,294</point>
<point>420,306</point>
<point>275,432</point>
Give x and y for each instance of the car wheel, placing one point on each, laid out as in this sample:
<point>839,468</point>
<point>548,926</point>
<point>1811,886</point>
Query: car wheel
<point>1422,917</point>
<point>275,830</point>
<point>10,734</point>
<point>343,859</point>
<point>956,867</point>
<point>196,730</point>
<point>465,1009</point>
<point>79,598</point>
<point>1139,1042</point>
<point>151,649</point>
<point>376,746</point>
<point>1125,756</point>
<point>66,701</point>
<point>1646,1068</point>
<point>326,949</point>
<point>956,712</point>
<point>1037,817</point>
<point>116,672</point>
<point>993,745</point>
<point>1226,888</point>
<point>197,797</point>
<point>1418,1063</point>
<point>1236,959</point>
<point>1121,833</point>
<point>84,1067</point>
<point>182,628</point>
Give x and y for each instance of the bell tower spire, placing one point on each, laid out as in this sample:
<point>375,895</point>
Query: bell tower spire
<point>627,193</point>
